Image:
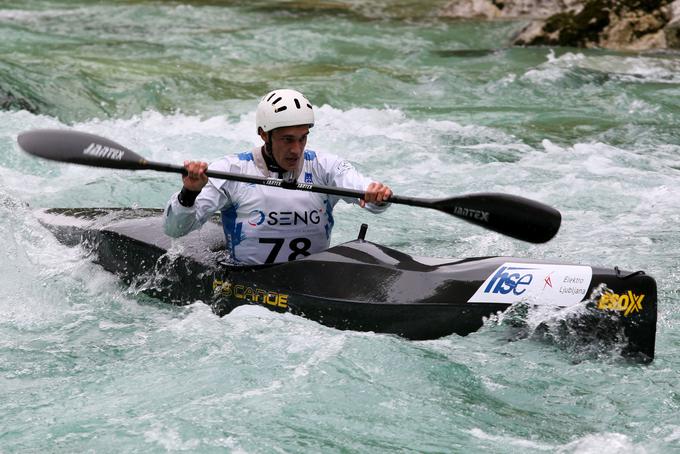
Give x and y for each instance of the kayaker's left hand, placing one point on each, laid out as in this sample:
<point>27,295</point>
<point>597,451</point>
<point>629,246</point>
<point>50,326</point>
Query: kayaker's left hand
<point>376,193</point>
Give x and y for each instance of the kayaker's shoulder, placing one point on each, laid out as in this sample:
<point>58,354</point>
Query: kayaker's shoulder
<point>232,161</point>
<point>321,158</point>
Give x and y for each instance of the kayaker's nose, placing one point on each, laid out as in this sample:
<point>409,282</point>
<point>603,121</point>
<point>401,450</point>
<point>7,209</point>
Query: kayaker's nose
<point>297,147</point>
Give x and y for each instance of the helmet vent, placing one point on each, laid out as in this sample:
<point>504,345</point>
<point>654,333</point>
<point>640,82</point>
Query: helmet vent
<point>277,100</point>
<point>309,105</point>
<point>280,109</point>
<point>272,95</point>
<point>297,103</point>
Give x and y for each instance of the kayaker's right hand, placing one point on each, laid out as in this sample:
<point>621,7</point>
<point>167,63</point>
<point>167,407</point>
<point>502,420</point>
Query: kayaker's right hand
<point>376,193</point>
<point>196,178</point>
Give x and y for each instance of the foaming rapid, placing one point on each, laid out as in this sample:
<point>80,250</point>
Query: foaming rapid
<point>381,139</point>
<point>435,109</point>
<point>445,158</point>
<point>636,69</point>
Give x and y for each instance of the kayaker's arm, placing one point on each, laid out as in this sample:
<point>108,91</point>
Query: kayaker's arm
<point>190,208</point>
<point>342,174</point>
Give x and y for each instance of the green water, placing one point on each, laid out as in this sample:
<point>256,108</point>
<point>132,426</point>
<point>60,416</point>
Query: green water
<point>432,107</point>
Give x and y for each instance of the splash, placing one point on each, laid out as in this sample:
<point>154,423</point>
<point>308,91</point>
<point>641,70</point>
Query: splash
<point>584,331</point>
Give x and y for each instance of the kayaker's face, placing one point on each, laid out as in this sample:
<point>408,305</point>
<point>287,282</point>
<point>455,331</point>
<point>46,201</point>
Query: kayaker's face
<point>288,145</point>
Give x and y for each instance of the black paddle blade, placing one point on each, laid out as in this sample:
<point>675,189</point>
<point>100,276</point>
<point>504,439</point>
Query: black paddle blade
<point>511,215</point>
<point>79,148</point>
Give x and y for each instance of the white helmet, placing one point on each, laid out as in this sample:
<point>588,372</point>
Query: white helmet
<point>281,108</point>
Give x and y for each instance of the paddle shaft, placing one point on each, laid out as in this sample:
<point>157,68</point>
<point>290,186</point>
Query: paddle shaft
<point>510,215</point>
<point>294,185</point>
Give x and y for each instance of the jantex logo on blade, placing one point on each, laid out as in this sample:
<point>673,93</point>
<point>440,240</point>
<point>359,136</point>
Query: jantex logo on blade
<point>478,215</point>
<point>544,284</point>
<point>102,151</point>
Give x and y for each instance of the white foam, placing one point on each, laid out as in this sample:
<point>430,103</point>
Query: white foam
<point>31,16</point>
<point>674,436</point>
<point>169,438</point>
<point>602,443</point>
<point>380,142</point>
<point>504,440</point>
<point>639,69</point>
<point>321,351</point>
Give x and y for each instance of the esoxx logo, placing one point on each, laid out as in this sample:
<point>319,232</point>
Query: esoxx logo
<point>627,302</point>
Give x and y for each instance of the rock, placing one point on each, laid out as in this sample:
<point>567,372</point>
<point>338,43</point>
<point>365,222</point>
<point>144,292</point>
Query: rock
<point>672,35</point>
<point>471,9</point>
<point>635,31</point>
<point>575,29</point>
<point>613,24</point>
<point>535,9</point>
<point>672,29</point>
<point>493,9</point>
<point>10,102</point>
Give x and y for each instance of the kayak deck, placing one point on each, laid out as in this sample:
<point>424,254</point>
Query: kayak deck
<point>358,285</point>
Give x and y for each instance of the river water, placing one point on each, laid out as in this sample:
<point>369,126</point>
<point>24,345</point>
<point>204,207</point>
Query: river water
<point>432,107</point>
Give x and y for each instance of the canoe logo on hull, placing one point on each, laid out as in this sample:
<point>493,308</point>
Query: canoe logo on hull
<point>102,151</point>
<point>627,303</point>
<point>544,284</point>
<point>250,294</point>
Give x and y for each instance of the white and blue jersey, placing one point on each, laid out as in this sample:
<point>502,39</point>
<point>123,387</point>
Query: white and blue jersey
<point>266,224</point>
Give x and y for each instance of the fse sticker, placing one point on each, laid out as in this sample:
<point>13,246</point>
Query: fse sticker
<point>544,284</point>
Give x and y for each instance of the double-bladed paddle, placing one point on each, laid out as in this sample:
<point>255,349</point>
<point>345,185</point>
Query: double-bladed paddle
<point>510,215</point>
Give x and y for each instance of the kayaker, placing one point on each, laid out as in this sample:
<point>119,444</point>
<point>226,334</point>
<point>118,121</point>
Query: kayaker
<point>264,224</point>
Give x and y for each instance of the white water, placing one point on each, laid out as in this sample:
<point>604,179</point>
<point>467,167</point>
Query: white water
<point>88,364</point>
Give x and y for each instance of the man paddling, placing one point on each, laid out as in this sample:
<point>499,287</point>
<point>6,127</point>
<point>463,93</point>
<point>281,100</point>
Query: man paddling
<point>264,224</point>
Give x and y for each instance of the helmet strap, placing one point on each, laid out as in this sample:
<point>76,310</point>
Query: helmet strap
<point>268,146</point>
<point>268,155</point>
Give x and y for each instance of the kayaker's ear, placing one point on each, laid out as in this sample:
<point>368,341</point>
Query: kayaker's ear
<point>263,135</point>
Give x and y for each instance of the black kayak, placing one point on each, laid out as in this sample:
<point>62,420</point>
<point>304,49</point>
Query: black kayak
<point>358,285</point>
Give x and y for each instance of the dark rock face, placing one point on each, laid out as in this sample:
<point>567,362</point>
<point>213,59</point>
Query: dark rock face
<point>574,29</point>
<point>10,102</point>
<point>617,24</point>
<point>614,24</point>
<point>672,29</point>
<point>492,9</point>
